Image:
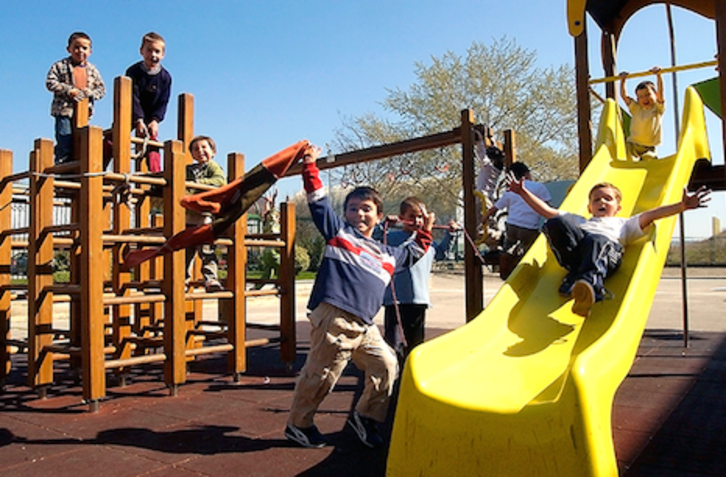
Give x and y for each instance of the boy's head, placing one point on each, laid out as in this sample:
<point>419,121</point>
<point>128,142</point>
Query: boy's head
<point>496,155</point>
<point>363,209</point>
<point>79,46</point>
<point>411,213</point>
<point>604,200</point>
<point>153,48</point>
<point>202,149</point>
<point>645,93</point>
<point>519,169</point>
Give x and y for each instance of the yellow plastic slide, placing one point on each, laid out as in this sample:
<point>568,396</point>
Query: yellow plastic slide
<point>526,388</point>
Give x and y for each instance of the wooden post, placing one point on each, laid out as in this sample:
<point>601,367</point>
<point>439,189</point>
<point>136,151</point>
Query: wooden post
<point>720,17</point>
<point>121,215</point>
<point>607,44</point>
<point>510,148</point>
<point>142,211</point>
<point>582,75</point>
<point>92,227</point>
<point>473,266</point>
<point>40,268</point>
<point>288,346</point>
<point>185,133</point>
<point>185,126</point>
<point>235,309</point>
<point>173,283</point>
<point>6,200</point>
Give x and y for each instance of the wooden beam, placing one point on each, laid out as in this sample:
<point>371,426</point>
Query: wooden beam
<point>584,115</point>
<point>121,214</point>
<point>288,346</point>
<point>92,266</point>
<point>235,310</point>
<point>607,45</point>
<point>510,147</point>
<point>40,266</point>
<point>6,199</point>
<point>720,14</point>
<point>185,124</point>
<point>447,138</point>
<point>473,266</point>
<point>173,283</point>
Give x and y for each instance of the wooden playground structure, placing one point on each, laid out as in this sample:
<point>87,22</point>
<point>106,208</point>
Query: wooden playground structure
<point>612,19</point>
<point>123,318</point>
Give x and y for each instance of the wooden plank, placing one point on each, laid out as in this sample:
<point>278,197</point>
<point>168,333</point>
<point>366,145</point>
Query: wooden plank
<point>92,266</point>
<point>235,310</point>
<point>40,266</point>
<point>6,198</point>
<point>473,267</point>
<point>173,284</point>
<point>288,345</point>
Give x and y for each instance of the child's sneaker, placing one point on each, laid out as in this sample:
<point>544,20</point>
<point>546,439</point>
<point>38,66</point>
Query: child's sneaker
<point>306,437</point>
<point>584,296</point>
<point>366,429</point>
<point>213,286</point>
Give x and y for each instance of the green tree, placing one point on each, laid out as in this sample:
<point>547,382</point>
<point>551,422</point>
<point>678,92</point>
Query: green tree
<point>505,88</point>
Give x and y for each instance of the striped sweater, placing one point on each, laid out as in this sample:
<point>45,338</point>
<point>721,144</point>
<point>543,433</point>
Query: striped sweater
<point>355,270</point>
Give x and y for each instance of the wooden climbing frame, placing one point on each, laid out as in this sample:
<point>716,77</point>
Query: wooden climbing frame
<point>120,318</point>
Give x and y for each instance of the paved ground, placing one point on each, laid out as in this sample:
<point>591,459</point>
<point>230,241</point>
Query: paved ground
<point>668,417</point>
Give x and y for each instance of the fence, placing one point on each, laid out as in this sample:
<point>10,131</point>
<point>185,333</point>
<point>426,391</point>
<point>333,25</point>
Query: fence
<point>709,252</point>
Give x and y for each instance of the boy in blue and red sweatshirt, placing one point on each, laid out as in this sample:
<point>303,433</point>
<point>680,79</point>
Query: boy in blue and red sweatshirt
<point>347,294</point>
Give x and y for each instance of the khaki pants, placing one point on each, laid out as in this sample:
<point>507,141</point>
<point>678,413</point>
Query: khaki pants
<point>336,338</point>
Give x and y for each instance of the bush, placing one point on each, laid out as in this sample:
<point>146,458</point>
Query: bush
<point>302,259</point>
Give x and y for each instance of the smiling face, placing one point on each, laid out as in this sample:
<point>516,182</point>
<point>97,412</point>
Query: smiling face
<point>153,53</point>
<point>363,214</point>
<point>202,151</point>
<point>80,50</point>
<point>604,202</point>
<point>646,95</point>
<point>412,219</point>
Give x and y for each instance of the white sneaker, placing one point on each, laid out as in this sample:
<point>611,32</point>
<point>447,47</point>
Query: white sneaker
<point>307,437</point>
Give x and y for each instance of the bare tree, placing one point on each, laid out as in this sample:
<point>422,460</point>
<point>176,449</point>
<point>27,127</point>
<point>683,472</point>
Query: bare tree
<point>504,87</point>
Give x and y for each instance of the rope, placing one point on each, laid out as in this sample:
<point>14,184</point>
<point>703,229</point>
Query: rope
<point>67,176</point>
<point>393,291</point>
<point>122,192</point>
<point>144,145</point>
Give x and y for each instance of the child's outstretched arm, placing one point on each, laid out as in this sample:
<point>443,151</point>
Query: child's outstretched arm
<point>659,84</point>
<point>623,91</point>
<point>689,201</point>
<point>537,204</point>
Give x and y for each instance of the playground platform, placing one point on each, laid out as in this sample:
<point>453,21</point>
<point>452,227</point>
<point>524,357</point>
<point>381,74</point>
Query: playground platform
<point>668,418</point>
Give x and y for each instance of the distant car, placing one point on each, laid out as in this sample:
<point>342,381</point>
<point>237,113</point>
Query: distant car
<point>19,264</point>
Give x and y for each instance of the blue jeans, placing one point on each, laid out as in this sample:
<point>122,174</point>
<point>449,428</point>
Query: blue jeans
<point>586,256</point>
<point>63,139</point>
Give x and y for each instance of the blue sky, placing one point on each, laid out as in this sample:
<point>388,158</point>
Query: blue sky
<point>265,74</point>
